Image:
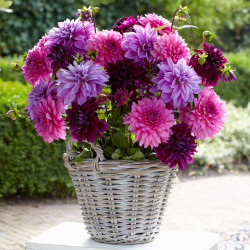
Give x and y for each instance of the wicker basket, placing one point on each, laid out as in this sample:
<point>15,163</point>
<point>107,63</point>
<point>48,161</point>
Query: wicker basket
<point>122,202</point>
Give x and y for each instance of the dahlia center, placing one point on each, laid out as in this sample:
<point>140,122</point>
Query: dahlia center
<point>179,145</point>
<point>147,47</point>
<point>152,117</point>
<point>81,119</point>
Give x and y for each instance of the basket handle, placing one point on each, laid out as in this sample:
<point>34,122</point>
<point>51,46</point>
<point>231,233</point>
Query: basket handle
<point>71,154</point>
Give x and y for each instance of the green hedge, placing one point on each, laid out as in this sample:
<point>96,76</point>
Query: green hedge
<point>8,72</point>
<point>238,90</point>
<point>28,165</point>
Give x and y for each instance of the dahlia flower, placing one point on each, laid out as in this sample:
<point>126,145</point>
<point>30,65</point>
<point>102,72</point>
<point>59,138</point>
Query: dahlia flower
<point>83,121</point>
<point>60,57</point>
<point>179,148</point>
<point>150,121</point>
<point>107,44</point>
<point>72,34</point>
<point>125,24</point>
<point>228,74</point>
<point>122,96</point>
<point>41,90</point>
<point>48,120</point>
<point>80,82</point>
<point>170,45</point>
<point>36,66</point>
<point>207,117</point>
<point>139,44</point>
<point>155,22</point>
<point>210,71</point>
<point>126,74</point>
<point>177,83</point>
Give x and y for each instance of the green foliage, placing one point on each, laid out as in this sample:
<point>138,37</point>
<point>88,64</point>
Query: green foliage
<point>231,147</point>
<point>28,165</point>
<point>239,90</point>
<point>8,71</point>
<point>30,19</point>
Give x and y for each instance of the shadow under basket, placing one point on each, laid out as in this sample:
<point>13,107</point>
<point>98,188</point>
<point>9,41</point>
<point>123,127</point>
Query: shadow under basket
<point>122,202</point>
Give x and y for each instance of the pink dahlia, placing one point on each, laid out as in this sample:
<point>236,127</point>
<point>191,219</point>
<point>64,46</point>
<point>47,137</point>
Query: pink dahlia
<point>150,121</point>
<point>170,45</point>
<point>48,120</point>
<point>36,66</point>
<point>155,22</point>
<point>107,44</point>
<point>207,117</point>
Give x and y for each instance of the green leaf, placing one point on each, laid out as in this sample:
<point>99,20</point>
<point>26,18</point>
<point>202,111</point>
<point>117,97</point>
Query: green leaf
<point>132,151</point>
<point>162,27</point>
<point>187,27</point>
<point>152,156</point>
<point>5,3</point>
<point>138,156</point>
<point>108,151</point>
<point>120,140</point>
<point>117,154</point>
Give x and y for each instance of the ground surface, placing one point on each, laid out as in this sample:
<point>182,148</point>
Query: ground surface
<point>213,204</point>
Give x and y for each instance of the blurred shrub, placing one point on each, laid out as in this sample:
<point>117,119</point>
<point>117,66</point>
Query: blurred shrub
<point>239,90</point>
<point>231,147</point>
<point>30,19</point>
<point>8,72</point>
<point>28,165</point>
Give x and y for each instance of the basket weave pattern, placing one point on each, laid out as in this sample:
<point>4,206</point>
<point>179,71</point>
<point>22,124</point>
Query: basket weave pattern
<point>122,202</point>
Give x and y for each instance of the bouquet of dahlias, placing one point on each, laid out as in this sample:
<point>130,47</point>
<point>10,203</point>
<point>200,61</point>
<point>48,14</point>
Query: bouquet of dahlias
<point>137,90</point>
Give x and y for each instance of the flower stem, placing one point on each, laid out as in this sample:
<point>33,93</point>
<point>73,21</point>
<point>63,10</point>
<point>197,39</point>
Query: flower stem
<point>93,16</point>
<point>174,18</point>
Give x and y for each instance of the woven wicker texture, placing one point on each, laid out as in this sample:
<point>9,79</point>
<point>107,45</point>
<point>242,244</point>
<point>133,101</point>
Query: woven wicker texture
<point>122,202</point>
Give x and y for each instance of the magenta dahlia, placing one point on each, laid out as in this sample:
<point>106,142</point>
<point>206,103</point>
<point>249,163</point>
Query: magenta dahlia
<point>107,44</point>
<point>80,82</point>
<point>155,22</point>
<point>177,83</point>
<point>150,121</point>
<point>211,70</point>
<point>48,120</point>
<point>207,117</point>
<point>36,66</point>
<point>170,45</point>
<point>71,34</point>
<point>179,148</point>
<point>41,90</point>
<point>125,24</point>
<point>139,44</point>
<point>83,121</point>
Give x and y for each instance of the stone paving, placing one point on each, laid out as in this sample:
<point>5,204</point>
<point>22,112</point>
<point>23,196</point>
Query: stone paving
<point>209,204</point>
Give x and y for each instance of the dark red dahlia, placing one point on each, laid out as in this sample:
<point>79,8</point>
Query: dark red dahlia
<point>179,148</point>
<point>127,75</point>
<point>60,56</point>
<point>83,121</point>
<point>125,24</point>
<point>209,70</point>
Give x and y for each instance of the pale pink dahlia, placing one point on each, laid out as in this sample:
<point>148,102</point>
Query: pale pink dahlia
<point>155,22</point>
<point>48,119</point>
<point>150,121</point>
<point>207,117</point>
<point>170,45</point>
<point>36,66</point>
<point>107,44</point>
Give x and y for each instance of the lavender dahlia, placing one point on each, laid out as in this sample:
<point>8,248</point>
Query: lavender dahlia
<point>177,83</point>
<point>179,148</point>
<point>72,34</point>
<point>210,71</point>
<point>139,44</point>
<point>80,82</point>
<point>83,121</point>
<point>41,90</point>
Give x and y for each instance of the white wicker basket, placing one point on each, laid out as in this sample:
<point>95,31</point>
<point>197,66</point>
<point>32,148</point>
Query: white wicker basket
<point>122,202</point>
